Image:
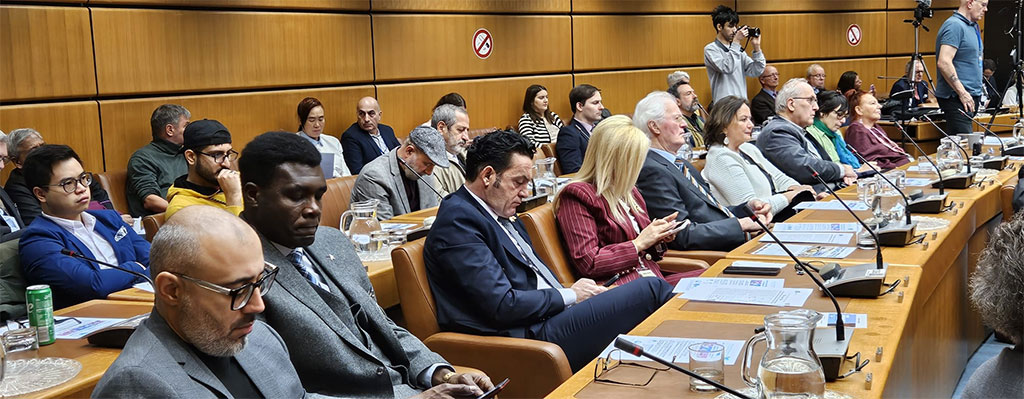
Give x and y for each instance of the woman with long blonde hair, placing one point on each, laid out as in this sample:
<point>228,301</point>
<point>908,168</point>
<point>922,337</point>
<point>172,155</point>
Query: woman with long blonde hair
<point>601,215</point>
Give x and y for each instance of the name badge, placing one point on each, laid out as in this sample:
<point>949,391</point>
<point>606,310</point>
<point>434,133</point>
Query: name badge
<point>646,273</point>
<point>120,233</point>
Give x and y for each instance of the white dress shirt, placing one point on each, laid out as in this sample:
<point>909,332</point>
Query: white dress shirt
<point>85,231</point>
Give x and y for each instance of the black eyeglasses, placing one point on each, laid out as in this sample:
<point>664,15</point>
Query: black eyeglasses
<point>240,296</point>
<point>606,365</point>
<point>71,183</point>
<point>219,157</point>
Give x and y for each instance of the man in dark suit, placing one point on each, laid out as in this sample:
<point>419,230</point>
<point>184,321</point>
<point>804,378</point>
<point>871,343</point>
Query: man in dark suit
<point>669,184</point>
<point>55,174</point>
<point>341,341</point>
<point>366,139</point>
<point>763,105</point>
<point>10,219</point>
<point>199,342</point>
<point>585,101</point>
<point>487,279</point>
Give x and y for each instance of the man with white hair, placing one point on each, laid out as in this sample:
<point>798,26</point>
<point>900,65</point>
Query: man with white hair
<point>762,106</point>
<point>786,143</point>
<point>816,78</point>
<point>678,76</point>
<point>453,123</point>
<point>670,184</point>
<point>10,219</point>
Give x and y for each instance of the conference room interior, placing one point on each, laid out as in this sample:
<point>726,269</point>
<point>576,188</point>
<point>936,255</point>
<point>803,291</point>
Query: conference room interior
<point>89,74</point>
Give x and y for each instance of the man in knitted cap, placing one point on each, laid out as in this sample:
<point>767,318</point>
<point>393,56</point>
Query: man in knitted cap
<point>212,177</point>
<point>403,178</point>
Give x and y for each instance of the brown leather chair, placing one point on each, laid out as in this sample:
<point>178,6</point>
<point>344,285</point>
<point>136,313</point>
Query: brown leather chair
<point>116,182</point>
<point>538,367</point>
<point>152,224</point>
<point>336,200</point>
<point>710,257</point>
<point>549,152</point>
<point>473,133</point>
<point>1006,196</point>
<point>547,241</point>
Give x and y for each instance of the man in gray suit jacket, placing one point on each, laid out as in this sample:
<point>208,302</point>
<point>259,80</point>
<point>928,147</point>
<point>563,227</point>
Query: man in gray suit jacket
<point>669,187</point>
<point>341,341</point>
<point>403,178</point>
<point>202,339</point>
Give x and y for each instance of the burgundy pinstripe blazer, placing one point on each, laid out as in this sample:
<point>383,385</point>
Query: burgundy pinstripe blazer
<point>599,245</point>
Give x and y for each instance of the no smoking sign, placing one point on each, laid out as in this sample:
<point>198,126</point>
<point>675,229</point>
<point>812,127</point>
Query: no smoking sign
<point>483,43</point>
<point>854,35</point>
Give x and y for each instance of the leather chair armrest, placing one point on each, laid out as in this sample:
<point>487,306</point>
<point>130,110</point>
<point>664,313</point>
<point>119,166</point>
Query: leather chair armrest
<point>678,265</point>
<point>707,256</point>
<point>535,367</point>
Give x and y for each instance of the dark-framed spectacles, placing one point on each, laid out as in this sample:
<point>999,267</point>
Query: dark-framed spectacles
<point>230,155</point>
<point>605,365</point>
<point>69,184</point>
<point>811,99</point>
<point>240,296</point>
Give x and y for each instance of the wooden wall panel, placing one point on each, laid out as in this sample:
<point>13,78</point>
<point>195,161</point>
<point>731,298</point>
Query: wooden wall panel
<point>648,6</point>
<point>471,6</point>
<point>76,124</point>
<point>641,41</point>
<point>246,115</point>
<point>491,102</point>
<point>154,51</point>
<point>47,53</point>
<point>911,4</point>
<point>819,36</point>
<point>441,46</point>
<point>620,91</point>
<point>355,5</point>
<point>747,6</point>
<point>867,68</point>
<point>901,34</point>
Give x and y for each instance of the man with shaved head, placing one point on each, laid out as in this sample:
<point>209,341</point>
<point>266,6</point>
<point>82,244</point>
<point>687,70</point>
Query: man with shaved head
<point>366,139</point>
<point>202,338</point>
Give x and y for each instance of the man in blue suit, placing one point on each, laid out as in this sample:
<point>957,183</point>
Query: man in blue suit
<point>366,139</point>
<point>585,101</point>
<point>57,179</point>
<point>487,279</point>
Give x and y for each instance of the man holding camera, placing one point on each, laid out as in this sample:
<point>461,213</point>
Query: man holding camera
<point>727,63</point>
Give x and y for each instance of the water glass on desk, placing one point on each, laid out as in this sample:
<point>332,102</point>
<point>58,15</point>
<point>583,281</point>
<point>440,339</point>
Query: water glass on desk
<point>20,343</point>
<point>707,359</point>
<point>866,189</point>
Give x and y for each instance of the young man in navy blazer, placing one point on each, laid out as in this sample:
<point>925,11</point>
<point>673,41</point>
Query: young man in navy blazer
<point>57,179</point>
<point>587,110</point>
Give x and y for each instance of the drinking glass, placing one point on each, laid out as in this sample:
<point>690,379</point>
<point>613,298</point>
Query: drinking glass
<point>20,343</point>
<point>707,359</point>
<point>866,189</point>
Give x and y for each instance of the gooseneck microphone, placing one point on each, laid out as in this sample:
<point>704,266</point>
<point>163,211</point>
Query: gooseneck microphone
<point>993,163</point>
<point>73,254</point>
<point>420,177</point>
<point>906,201</point>
<point>960,180</point>
<point>917,203</point>
<point>941,183</point>
<point>636,350</point>
<point>890,236</point>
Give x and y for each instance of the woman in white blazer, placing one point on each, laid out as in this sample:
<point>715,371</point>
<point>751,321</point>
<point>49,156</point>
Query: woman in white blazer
<point>735,169</point>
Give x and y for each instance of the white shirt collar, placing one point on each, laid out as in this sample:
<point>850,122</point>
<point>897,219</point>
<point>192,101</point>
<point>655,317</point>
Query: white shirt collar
<point>283,249</point>
<point>88,222</point>
<point>483,204</point>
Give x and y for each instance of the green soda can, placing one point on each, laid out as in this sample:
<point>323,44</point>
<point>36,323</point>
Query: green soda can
<point>39,299</point>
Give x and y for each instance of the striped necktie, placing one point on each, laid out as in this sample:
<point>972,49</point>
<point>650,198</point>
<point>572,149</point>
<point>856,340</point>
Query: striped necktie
<point>296,257</point>
<point>681,163</point>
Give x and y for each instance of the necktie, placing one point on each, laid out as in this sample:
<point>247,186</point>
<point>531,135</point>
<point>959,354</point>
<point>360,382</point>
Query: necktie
<point>536,264</point>
<point>700,187</point>
<point>295,257</point>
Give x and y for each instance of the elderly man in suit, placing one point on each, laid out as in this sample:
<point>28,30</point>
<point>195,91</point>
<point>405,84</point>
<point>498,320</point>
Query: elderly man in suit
<point>202,339</point>
<point>341,342</point>
<point>11,224</point>
<point>403,179</point>
<point>367,138</point>
<point>587,108</point>
<point>670,184</point>
<point>487,279</point>
<point>762,106</point>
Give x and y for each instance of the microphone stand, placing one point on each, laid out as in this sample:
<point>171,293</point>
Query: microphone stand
<point>831,353</point>
<point>941,182</point>
<point>73,254</point>
<point>1002,160</point>
<point>959,180</point>
<point>636,350</point>
<point>929,204</point>
<point>890,236</point>
<point>115,336</point>
<point>420,178</point>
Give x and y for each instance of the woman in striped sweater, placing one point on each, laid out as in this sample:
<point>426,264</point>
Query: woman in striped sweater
<point>538,123</point>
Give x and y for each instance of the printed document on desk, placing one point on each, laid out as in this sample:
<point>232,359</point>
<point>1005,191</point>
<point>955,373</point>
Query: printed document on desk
<point>806,251</point>
<point>831,206</point>
<point>749,295</point>
<point>810,238</point>
<point>690,283</point>
<point>817,227</point>
<point>670,348</point>
<point>80,327</point>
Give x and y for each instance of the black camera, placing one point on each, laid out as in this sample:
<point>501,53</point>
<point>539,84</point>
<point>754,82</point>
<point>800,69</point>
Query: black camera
<point>923,10</point>
<point>753,32</point>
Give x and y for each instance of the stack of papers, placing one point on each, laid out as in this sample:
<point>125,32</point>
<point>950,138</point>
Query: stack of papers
<point>688,284</point>
<point>806,251</point>
<point>673,349</point>
<point>749,295</point>
<point>810,238</point>
<point>916,182</point>
<point>819,227</point>
<point>831,206</point>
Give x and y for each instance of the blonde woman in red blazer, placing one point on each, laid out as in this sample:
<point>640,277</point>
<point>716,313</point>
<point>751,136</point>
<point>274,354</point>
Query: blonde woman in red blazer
<point>604,240</point>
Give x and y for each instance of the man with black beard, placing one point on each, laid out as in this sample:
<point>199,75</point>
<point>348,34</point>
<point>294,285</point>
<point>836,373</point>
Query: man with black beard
<point>212,178</point>
<point>202,338</point>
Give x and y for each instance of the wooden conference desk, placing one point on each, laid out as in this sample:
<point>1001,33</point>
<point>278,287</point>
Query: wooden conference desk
<point>926,340</point>
<point>95,360</point>
<point>927,136</point>
<point>381,273</point>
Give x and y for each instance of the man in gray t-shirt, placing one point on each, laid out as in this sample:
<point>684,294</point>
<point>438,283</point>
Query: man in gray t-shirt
<point>726,62</point>
<point>960,53</point>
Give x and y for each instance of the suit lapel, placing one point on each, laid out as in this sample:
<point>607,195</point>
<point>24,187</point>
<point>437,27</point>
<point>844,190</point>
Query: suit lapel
<point>505,240</point>
<point>184,355</point>
<point>686,182</point>
<point>396,180</point>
